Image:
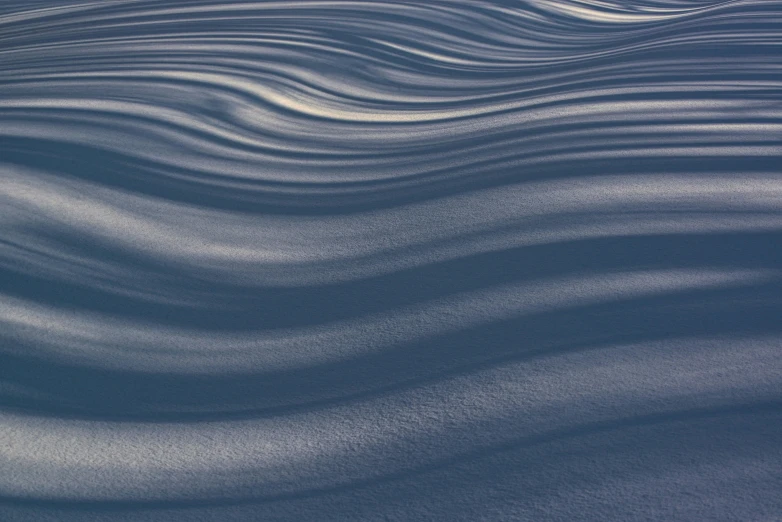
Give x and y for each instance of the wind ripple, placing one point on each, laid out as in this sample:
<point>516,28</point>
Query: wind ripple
<point>359,260</point>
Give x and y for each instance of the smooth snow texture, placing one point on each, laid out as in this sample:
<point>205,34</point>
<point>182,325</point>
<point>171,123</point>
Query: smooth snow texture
<point>389,260</point>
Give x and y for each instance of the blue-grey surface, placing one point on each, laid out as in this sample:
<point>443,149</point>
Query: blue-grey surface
<point>386,260</point>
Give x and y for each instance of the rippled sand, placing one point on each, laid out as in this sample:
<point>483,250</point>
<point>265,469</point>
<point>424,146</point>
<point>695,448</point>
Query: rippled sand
<point>365,260</point>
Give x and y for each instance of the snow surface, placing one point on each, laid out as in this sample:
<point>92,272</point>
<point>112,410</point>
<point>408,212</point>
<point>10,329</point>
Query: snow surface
<point>390,260</point>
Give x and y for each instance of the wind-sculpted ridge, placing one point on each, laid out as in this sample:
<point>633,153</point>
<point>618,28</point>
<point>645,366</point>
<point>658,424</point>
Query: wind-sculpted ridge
<point>388,260</point>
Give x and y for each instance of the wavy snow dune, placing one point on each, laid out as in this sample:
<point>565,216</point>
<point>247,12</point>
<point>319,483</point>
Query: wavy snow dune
<point>390,260</point>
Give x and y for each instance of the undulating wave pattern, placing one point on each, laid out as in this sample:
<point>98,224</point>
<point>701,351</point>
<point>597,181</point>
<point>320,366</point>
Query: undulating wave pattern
<point>390,260</point>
